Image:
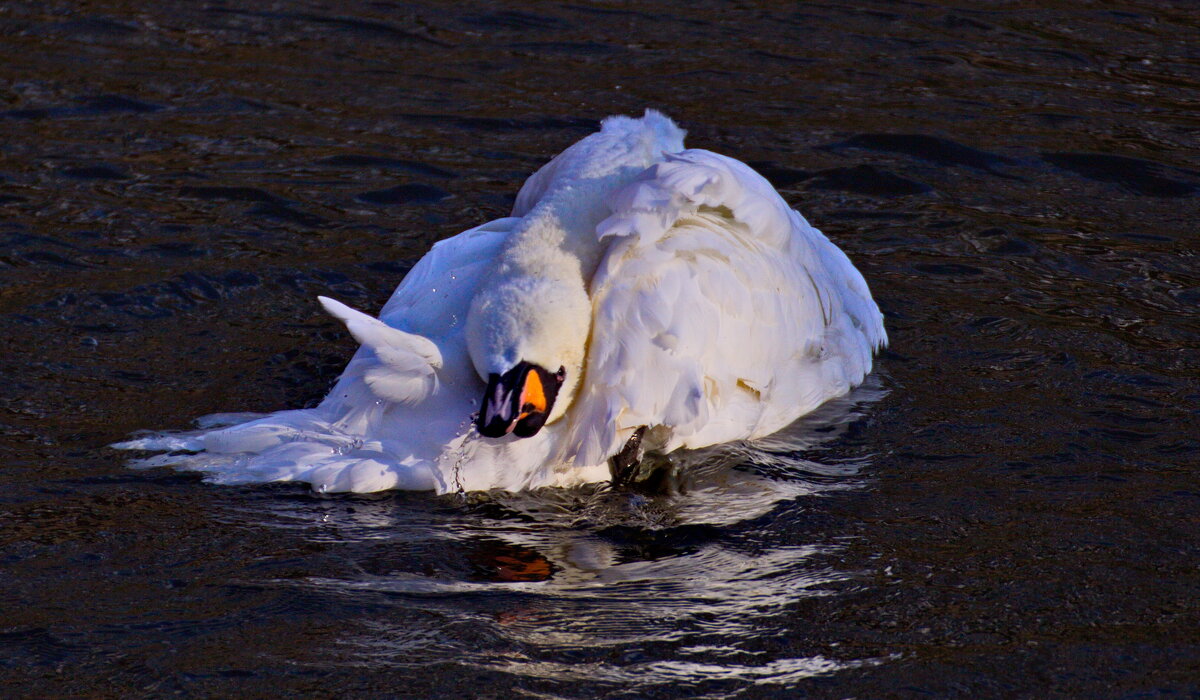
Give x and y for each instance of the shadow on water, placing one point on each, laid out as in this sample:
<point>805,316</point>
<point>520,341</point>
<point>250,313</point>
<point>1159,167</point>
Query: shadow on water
<point>573,586</point>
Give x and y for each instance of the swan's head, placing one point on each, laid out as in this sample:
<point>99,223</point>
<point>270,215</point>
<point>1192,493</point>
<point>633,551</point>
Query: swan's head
<point>527,337</point>
<point>519,401</point>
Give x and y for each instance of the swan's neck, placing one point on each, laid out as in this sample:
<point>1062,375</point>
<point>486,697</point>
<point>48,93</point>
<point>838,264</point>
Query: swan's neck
<point>534,306</point>
<point>558,236</point>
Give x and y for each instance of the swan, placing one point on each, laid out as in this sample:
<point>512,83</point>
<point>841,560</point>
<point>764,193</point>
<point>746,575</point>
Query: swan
<point>641,297</point>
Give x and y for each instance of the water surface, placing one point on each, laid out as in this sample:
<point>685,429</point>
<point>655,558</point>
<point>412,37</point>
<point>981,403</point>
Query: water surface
<point>1010,507</point>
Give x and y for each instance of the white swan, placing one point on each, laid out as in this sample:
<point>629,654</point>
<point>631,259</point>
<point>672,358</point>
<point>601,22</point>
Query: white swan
<point>636,285</point>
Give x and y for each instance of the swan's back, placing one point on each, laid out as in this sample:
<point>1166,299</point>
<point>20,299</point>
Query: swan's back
<point>719,313</point>
<point>620,139</point>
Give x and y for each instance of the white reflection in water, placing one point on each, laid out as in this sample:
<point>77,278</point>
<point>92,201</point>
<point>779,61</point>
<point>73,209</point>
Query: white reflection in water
<point>589,571</point>
<point>781,671</point>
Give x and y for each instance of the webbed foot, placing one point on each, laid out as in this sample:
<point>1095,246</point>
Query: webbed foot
<point>625,465</point>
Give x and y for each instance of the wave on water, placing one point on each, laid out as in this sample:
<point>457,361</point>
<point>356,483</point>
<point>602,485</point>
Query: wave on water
<point>570,584</point>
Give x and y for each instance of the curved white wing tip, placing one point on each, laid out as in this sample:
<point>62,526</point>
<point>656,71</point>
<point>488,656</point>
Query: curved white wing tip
<point>376,334</point>
<point>337,309</point>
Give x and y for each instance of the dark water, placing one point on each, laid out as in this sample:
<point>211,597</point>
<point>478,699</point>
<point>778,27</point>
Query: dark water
<point>1010,508</point>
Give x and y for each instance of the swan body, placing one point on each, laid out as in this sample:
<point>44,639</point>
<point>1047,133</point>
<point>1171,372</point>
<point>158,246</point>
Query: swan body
<point>660,288</point>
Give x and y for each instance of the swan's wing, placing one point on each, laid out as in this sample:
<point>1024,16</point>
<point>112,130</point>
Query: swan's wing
<point>428,306</point>
<point>406,367</point>
<point>433,298</point>
<point>396,407</point>
<point>718,313</point>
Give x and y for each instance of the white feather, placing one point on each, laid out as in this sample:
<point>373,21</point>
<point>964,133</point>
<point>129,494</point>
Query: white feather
<point>407,363</point>
<point>677,287</point>
<point>768,318</point>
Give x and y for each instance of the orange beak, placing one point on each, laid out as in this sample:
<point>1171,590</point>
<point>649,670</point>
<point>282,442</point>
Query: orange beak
<point>533,396</point>
<point>519,401</point>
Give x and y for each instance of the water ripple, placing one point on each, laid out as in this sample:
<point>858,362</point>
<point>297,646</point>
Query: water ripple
<point>588,571</point>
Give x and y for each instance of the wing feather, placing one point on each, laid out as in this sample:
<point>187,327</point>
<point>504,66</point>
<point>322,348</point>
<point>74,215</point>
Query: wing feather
<point>718,313</point>
<point>401,357</point>
<point>407,364</point>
